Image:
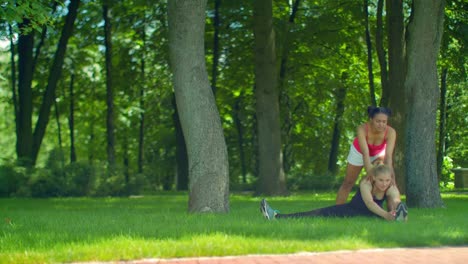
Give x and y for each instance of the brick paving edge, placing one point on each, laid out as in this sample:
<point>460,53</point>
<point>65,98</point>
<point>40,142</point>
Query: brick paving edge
<point>305,254</point>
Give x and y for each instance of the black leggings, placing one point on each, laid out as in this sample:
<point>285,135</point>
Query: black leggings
<point>342,210</point>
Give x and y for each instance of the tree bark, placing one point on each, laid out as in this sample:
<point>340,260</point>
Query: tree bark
<point>71,119</point>
<point>240,137</point>
<point>126,162</point>
<point>442,122</point>
<point>381,55</point>
<point>396,78</point>
<point>24,138</point>
<point>109,86</point>
<point>424,36</point>
<point>141,134</point>
<point>214,70</point>
<point>14,93</point>
<point>199,116</point>
<point>272,180</point>
<point>285,101</point>
<point>59,133</point>
<point>340,95</point>
<point>369,55</point>
<point>182,171</point>
<point>54,75</point>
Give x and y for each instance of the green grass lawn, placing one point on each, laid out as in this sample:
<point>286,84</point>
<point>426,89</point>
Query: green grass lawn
<point>90,229</point>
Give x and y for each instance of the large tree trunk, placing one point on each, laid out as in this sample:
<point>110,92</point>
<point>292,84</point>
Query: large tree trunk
<point>370,70</point>
<point>396,78</point>
<point>272,180</point>
<point>424,35</point>
<point>199,116</point>
<point>109,86</point>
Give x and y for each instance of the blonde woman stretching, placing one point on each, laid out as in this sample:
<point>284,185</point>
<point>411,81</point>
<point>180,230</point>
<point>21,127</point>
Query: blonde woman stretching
<point>368,201</point>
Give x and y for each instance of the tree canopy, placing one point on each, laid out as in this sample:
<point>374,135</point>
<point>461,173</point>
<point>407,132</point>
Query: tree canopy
<point>323,84</point>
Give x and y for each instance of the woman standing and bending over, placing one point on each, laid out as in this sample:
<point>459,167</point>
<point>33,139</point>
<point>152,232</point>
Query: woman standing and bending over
<point>375,139</point>
<point>368,201</point>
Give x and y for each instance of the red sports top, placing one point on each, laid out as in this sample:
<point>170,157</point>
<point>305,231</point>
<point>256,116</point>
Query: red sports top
<point>373,149</point>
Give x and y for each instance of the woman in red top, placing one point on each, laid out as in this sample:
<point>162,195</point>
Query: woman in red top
<point>375,140</point>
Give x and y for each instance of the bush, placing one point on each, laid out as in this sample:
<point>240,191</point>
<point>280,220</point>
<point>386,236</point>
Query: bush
<point>109,182</point>
<point>448,177</point>
<point>79,178</point>
<point>45,183</point>
<point>10,180</point>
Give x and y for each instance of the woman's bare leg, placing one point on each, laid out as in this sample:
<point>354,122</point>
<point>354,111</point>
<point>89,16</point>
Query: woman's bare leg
<point>352,173</point>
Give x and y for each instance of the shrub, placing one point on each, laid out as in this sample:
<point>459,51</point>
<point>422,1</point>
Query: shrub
<point>45,183</point>
<point>13,180</point>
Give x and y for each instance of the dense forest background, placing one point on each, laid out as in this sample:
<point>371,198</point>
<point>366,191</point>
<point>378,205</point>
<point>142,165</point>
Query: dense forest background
<point>112,126</point>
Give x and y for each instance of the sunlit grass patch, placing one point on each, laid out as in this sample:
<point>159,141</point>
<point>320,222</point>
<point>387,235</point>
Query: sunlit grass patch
<point>90,229</point>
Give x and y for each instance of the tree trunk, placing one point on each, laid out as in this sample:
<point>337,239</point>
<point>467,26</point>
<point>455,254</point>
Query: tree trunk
<point>141,135</point>
<point>59,133</point>
<point>182,172</point>
<point>199,116</point>
<point>369,55</point>
<point>285,101</point>
<point>92,134</point>
<point>442,122</point>
<point>42,38</point>
<point>379,46</point>
<point>109,86</point>
<point>24,138</point>
<point>240,137</point>
<point>396,78</point>
<point>71,120</point>
<point>272,180</point>
<point>214,70</point>
<point>14,97</point>
<point>54,75</point>
<point>340,95</point>
<point>126,162</point>
<point>424,34</point>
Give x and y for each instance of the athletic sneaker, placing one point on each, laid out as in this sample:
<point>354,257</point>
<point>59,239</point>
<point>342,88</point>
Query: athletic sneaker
<point>268,212</point>
<point>401,212</point>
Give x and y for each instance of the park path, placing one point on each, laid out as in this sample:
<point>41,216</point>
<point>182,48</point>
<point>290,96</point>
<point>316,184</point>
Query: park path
<point>440,255</point>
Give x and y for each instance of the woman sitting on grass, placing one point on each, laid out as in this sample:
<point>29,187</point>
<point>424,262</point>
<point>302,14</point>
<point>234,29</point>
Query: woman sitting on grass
<point>367,201</point>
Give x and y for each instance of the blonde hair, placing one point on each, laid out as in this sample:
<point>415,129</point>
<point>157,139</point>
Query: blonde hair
<point>381,169</point>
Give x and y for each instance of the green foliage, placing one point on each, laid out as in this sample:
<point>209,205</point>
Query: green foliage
<point>37,12</point>
<point>324,43</point>
<point>69,230</point>
<point>447,178</point>
<point>299,180</point>
<point>11,180</point>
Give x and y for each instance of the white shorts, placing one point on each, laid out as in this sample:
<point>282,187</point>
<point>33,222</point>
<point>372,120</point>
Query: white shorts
<point>355,157</point>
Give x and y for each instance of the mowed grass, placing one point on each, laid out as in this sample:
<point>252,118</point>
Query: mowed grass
<point>112,229</point>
